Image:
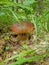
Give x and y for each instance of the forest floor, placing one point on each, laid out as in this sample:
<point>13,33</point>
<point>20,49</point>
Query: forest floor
<point>12,44</point>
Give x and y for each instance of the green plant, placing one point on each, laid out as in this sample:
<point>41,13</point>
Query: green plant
<point>8,16</point>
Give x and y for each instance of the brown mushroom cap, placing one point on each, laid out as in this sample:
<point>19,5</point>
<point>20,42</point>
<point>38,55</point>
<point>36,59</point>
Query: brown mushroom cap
<point>22,27</point>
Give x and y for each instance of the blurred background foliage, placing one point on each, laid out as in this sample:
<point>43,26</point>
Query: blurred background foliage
<point>36,11</point>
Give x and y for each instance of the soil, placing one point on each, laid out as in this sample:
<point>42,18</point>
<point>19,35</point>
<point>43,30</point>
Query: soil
<point>12,44</point>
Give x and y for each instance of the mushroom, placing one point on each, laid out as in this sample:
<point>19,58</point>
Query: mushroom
<point>24,27</point>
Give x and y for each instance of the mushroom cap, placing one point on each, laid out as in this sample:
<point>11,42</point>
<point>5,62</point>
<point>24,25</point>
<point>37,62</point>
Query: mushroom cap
<point>22,27</point>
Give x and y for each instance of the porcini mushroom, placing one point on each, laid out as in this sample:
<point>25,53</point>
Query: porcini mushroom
<point>22,27</point>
